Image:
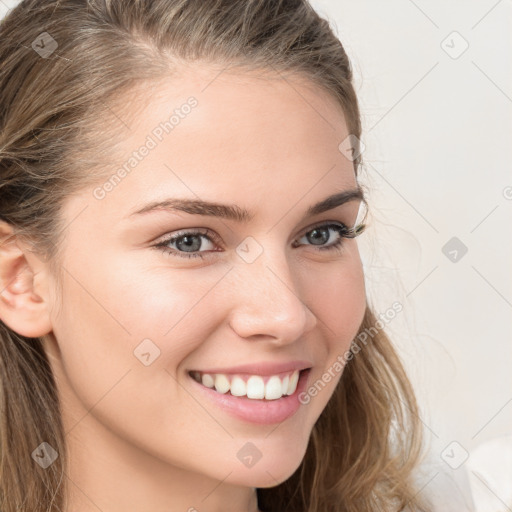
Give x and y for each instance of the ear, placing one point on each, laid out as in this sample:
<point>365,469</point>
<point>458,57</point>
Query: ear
<point>24,306</point>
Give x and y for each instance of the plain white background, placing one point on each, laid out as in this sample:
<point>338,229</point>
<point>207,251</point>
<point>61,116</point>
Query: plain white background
<point>434,81</point>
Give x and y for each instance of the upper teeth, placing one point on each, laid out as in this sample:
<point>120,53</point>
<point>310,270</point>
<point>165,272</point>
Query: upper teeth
<point>253,387</point>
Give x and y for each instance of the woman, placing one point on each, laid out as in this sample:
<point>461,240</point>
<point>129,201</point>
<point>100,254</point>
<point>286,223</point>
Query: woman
<point>184,316</point>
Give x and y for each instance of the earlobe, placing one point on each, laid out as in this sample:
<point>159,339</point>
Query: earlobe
<point>21,308</point>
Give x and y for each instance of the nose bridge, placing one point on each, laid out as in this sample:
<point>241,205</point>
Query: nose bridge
<point>268,302</point>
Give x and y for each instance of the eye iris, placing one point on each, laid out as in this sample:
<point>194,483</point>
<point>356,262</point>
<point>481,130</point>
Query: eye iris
<point>189,245</point>
<point>324,234</point>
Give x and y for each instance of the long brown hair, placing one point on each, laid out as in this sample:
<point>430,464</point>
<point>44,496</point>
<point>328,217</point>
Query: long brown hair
<point>65,65</point>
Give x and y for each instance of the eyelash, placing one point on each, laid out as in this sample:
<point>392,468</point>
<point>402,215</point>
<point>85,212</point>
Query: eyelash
<point>337,246</point>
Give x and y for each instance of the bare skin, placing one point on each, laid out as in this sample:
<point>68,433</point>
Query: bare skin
<point>141,437</point>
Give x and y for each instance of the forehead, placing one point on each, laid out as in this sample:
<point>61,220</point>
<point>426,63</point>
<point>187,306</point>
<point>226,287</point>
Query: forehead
<point>218,135</point>
<point>249,112</point>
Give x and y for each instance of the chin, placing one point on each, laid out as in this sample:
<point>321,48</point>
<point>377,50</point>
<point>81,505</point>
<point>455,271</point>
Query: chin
<point>265,475</point>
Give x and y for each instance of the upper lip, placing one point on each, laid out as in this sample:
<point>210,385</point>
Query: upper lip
<point>262,368</point>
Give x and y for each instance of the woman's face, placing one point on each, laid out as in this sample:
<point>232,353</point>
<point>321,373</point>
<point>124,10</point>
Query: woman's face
<point>134,319</point>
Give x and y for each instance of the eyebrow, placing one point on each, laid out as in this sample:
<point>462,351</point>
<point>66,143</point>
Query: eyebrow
<point>241,215</point>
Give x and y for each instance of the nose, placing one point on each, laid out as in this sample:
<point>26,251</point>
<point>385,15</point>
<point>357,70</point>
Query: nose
<point>269,303</point>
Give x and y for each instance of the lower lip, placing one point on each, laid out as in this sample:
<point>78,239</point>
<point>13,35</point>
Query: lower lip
<point>263,412</point>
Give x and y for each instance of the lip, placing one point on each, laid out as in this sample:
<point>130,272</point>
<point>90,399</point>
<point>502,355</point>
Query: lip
<point>262,368</point>
<point>262,412</point>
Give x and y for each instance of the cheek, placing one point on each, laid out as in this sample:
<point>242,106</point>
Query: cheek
<point>131,320</point>
<point>101,379</point>
<point>156,298</point>
<point>95,344</point>
<point>339,297</point>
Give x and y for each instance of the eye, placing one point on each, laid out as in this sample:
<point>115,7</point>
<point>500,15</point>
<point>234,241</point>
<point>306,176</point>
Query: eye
<point>188,243</point>
<point>321,234</point>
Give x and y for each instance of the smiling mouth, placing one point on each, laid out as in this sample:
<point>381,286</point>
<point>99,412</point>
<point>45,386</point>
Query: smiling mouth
<point>256,387</point>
